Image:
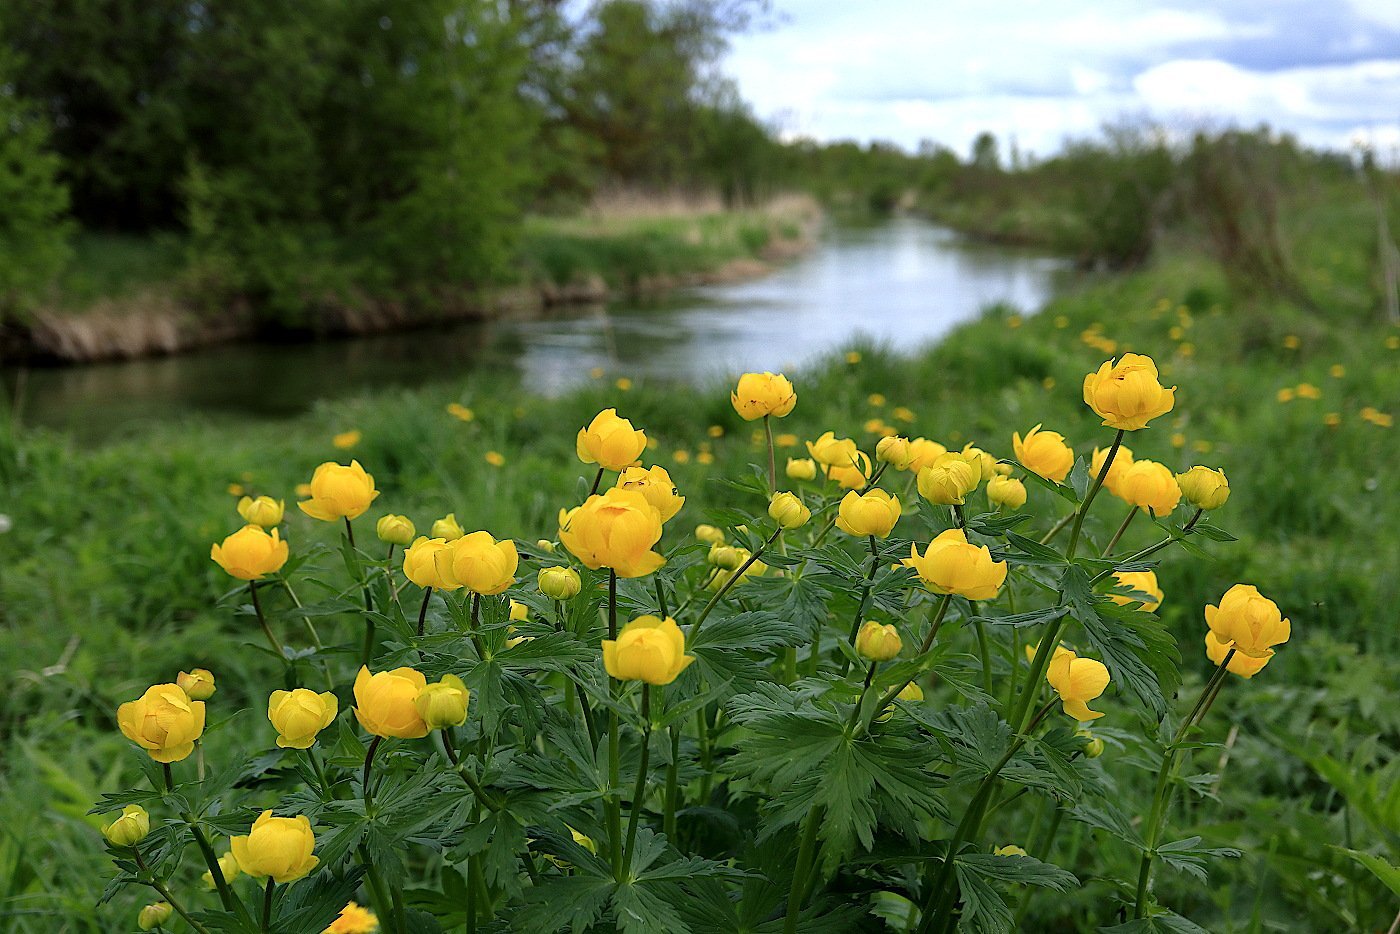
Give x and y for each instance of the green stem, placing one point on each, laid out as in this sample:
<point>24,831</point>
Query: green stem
<point>978,626</point>
<point>423,611</point>
<point>368,652</point>
<point>733,579</point>
<point>365,773</point>
<point>614,751</point>
<point>267,903</point>
<point>383,905</point>
<point>1127,520</point>
<point>164,892</point>
<point>1152,549</point>
<point>310,626</point>
<point>668,822</point>
<point>865,689</point>
<point>262,621</point>
<point>597,479</point>
<point>864,598</point>
<point>806,851</point>
<point>1057,528</point>
<point>772,458</point>
<point>475,632</point>
<point>889,697</point>
<point>639,791</point>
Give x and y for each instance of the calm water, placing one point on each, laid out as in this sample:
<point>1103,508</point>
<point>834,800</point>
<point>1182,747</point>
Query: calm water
<point>905,282</point>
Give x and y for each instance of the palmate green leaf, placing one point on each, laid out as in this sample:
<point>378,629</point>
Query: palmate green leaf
<point>573,902</point>
<point>737,648</point>
<point>1140,653</point>
<point>1160,922</point>
<point>649,909</point>
<point>313,904</point>
<point>995,525</point>
<point>553,651</point>
<point>973,738</point>
<point>1190,857</point>
<point>1030,551</point>
<point>1059,489</point>
<point>1107,816</point>
<point>1024,620</point>
<point>1024,870</point>
<point>984,910</point>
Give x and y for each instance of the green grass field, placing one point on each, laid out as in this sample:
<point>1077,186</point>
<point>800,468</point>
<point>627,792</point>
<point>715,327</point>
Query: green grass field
<point>106,583</point>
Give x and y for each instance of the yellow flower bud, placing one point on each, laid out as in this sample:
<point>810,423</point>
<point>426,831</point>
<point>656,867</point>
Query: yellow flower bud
<point>443,703</point>
<point>615,530</point>
<point>385,703</point>
<point>1009,850</point>
<point>878,642</point>
<point>545,545</point>
<point>353,919</point>
<point>1043,453</point>
<point>801,468</point>
<point>1248,621</point>
<point>153,916</point>
<point>1127,394</point>
<point>1006,491</point>
<point>709,534</point>
<point>559,583</point>
<point>1077,681</point>
<point>655,485</point>
<point>647,649</point>
<point>279,847</point>
<point>250,553</point>
<point>985,463</point>
<point>1149,485</point>
<point>849,478</point>
<point>395,530</point>
<point>129,828</point>
<point>873,513</point>
<point>922,453</point>
<point>894,451</point>
<point>610,441</point>
<point>1093,746</point>
<point>912,692</point>
<point>339,492</point>
<point>198,684</point>
<point>447,528</point>
<point>788,511</point>
<point>163,721</point>
<point>760,394</point>
<point>428,563</point>
<point>228,867</point>
<point>1142,582</point>
<point>727,556</point>
<point>1204,488</point>
<point>832,451</point>
<point>951,564</point>
<point>483,565</point>
<point>1245,666</point>
<point>300,714</point>
<point>264,511</point>
<point>948,480</point>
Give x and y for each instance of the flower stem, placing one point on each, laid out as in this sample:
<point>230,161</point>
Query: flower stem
<point>806,851</point>
<point>267,903</point>
<point>165,893</point>
<point>889,697</point>
<point>733,579</point>
<point>423,610</point>
<point>668,821</point>
<point>597,479</point>
<point>368,652</point>
<point>1127,520</point>
<point>865,689</point>
<point>365,773</point>
<point>772,458</point>
<point>639,792</point>
<point>1083,509</point>
<point>262,621</point>
<point>614,752</point>
<point>864,598</point>
<point>1153,549</point>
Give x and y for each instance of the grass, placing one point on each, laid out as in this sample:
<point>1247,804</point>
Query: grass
<point>106,585</point>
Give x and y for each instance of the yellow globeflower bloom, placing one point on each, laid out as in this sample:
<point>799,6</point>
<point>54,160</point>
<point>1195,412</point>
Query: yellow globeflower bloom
<point>443,703</point>
<point>951,564</point>
<point>1246,666</point>
<point>610,441</point>
<point>483,565</point>
<point>1149,485</point>
<point>1006,491</point>
<point>338,491</point>
<point>347,439</point>
<point>922,453</point>
<point>395,530</point>
<point>447,528</point>
<point>353,920</point>
<point>710,534</point>
<point>801,468</point>
<point>948,480</point>
<point>878,642</point>
<point>615,530</point>
<point>1203,487</point>
<point>832,451</point>
<point>264,511</point>
<point>1248,621</point>
<point>279,847</point>
<point>655,484</point>
<point>1142,582</point>
<point>760,394</point>
<point>129,828</point>
<point>894,451</point>
<point>163,721</point>
<point>559,583</point>
<point>198,683</point>
<point>385,703</point>
<point>873,513</point>
<point>1127,394</point>
<point>428,563</point>
<point>787,510</point>
<point>228,868</point>
<point>518,611</point>
<point>1121,462</point>
<point>647,649</point>
<point>250,553</point>
<point>1078,681</point>
<point>1044,453</point>
<point>459,411</point>
<point>298,715</point>
<point>853,477</point>
<point>985,463</point>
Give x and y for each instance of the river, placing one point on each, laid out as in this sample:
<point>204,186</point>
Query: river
<point>905,282</point>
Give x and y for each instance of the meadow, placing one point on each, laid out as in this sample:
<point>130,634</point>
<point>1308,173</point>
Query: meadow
<point>106,584</point>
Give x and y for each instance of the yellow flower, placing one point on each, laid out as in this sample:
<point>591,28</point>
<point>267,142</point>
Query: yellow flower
<point>873,513</point>
<point>1142,582</point>
<point>1044,453</point>
<point>559,583</point>
<point>235,489</point>
<point>1392,342</point>
<point>347,439</point>
<point>385,703</point>
<point>228,868</point>
<point>1093,746</point>
<point>787,510</point>
<point>951,564</point>
<point>264,511</point>
<point>985,463</point>
<point>447,528</point>
<point>596,372</point>
<point>876,400</point>
<point>443,703</point>
<point>785,441</point>
<point>903,414</point>
<point>1121,462</point>
<point>894,451</point>
<point>656,486</point>
<point>153,916</point>
<point>852,357</point>
<point>922,453</point>
<point>483,565</point>
<point>395,530</point>
<point>911,692</point>
<point>801,468</point>
<point>1078,681</point>
<point>129,828</point>
<point>1285,394</point>
<point>610,442</point>
<point>878,642</point>
<point>1178,440</point>
<point>1031,651</point>
<point>726,556</point>
<point>948,480</point>
<point>279,847</point>
<point>849,478</point>
<point>339,492</point>
<point>353,920</point>
<point>1203,487</point>
<point>704,457</point>
<point>709,534</point>
<point>1292,342</point>
<point>428,563</point>
<point>1149,485</point>
<point>615,530</point>
<point>623,384</point>
<point>760,394</point>
<point>647,649</point>
<point>250,553</point>
<point>1376,417</point>
<point>298,715</point>
<point>715,431</point>
<point>198,683</point>
<point>1127,394</point>
<point>1248,621</point>
<point>1336,371</point>
<point>519,612</point>
<point>877,426</point>
<point>1009,850</point>
<point>459,411</point>
<point>831,451</point>
<point>163,721</point>
<point>545,545</point>
<point>1006,491</point>
<point>1332,419</point>
<point>1246,666</point>
<point>303,489</point>
<point>495,458</point>
<point>1308,391</point>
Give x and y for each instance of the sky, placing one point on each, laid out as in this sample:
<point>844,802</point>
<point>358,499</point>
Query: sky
<point>1043,71</point>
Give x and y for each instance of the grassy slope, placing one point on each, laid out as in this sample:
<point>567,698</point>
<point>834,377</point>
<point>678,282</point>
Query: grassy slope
<point>105,583</point>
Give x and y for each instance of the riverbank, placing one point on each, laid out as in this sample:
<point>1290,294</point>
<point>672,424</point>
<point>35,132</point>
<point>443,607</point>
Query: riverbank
<point>154,307</point>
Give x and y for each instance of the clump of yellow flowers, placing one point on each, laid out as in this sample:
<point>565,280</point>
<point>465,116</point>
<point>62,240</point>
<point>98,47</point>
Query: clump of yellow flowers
<point>903,642</point>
